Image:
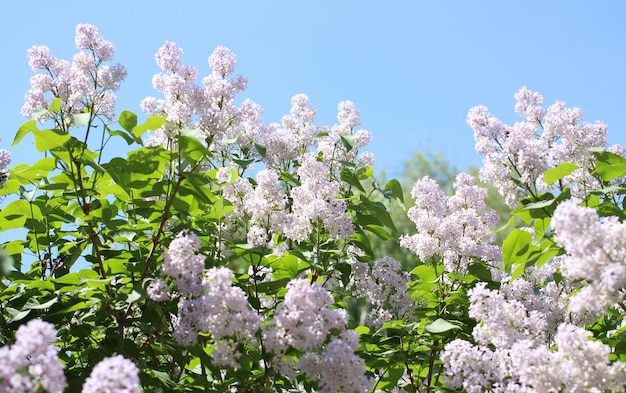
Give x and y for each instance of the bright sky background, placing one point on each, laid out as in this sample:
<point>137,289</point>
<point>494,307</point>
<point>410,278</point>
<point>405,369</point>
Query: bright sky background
<point>413,68</point>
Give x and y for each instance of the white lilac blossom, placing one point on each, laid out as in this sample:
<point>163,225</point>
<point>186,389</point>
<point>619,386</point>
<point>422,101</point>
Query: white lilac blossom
<point>182,263</point>
<point>178,83</point>
<point>455,228</point>
<point>547,138</point>
<point>579,364</point>
<point>221,310</point>
<point>208,106</point>
<point>263,207</point>
<point>5,160</point>
<point>159,290</point>
<point>504,319</point>
<point>384,286</point>
<point>337,368</point>
<point>32,361</point>
<point>236,192</point>
<point>85,84</point>
<point>266,208</point>
<point>332,146</point>
<point>295,134</point>
<point>306,322</point>
<point>217,107</point>
<point>113,375</point>
<point>304,319</point>
<point>473,367</point>
<point>596,253</point>
<point>516,327</point>
<point>315,200</point>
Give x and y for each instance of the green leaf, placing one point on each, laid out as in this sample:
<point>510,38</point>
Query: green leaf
<point>516,247</point>
<point>129,138</point>
<point>260,149</point>
<point>151,124</point>
<point>608,209</point>
<point>611,171</point>
<point>50,139</point>
<point>192,149</point>
<point>27,173</point>
<point>14,215</point>
<point>128,120</point>
<point>349,177</point>
<point>365,173</point>
<point>440,326</point>
<point>379,231</point>
<point>609,165</point>
<point>348,141</point>
<point>285,266</point>
<point>288,177</point>
<point>55,105</point>
<point>25,128</point>
<point>395,187</point>
<point>480,271</point>
<point>6,263</point>
<point>82,119</point>
<point>426,273</point>
<point>559,172</point>
<point>33,304</point>
<point>518,270</point>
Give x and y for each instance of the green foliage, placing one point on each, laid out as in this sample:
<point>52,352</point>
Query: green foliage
<point>89,237</point>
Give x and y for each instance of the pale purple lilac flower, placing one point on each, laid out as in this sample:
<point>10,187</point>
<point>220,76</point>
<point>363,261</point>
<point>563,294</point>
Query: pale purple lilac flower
<point>384,286</point>
<point>596,253</point>
<point>316,199</point>
<point>221,310</point>
<point>337,368</point>
<point>85,84</point>
<point>579,364</point>
<point>454,228</point>
<point>183,263</point>
<point>113,375</point>
<point>208,106</point>
<point>547,138</point>
<point>5,160</point>
<point>159,290</point>
<point>305,318</point>
<point>32,361</point>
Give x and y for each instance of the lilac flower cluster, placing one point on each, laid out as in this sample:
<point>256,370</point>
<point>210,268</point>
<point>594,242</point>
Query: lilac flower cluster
<point>209,106</point>
<point>295,135</point>
<point>305,318</point>
<point>113,375</point>
<point>337,368</point>
<point>583,365</point>
<point>182,263</point>
<point>5,160</point>
<point>596,253</point>
<point>262,207</point>
<point>315,200</point>
<point>306,322</point>
<point>454,228</point>
<point>298,134</point>
<point>547,138</point>
<point>517,326</point>
<point>222,309</point>
<point>384,286</point>
<point>32,363</point>
<point>208,300</point>
<point>88,83</point>
<point>332,146</point>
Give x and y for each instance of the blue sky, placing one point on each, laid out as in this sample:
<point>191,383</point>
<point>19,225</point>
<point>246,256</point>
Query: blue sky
<point>413,68</point>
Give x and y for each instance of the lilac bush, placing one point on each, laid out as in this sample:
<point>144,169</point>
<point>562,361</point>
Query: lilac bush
<point>220,252</point>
